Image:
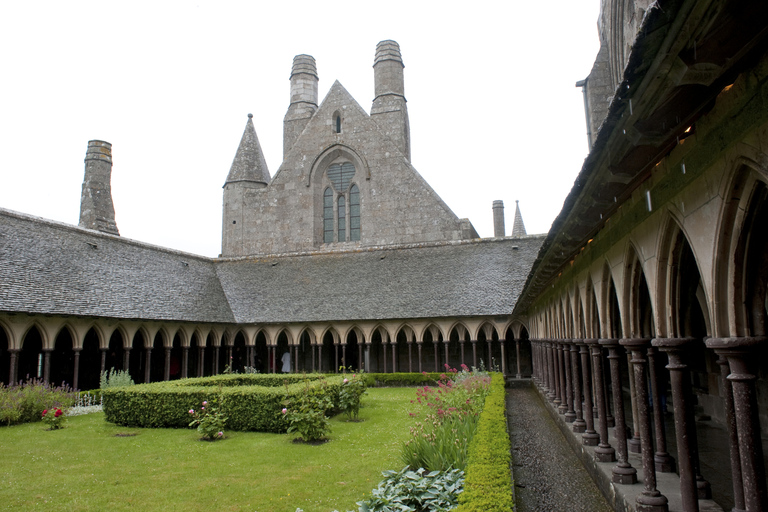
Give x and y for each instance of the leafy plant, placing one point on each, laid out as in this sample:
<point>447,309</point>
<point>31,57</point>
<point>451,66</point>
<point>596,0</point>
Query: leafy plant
<point>25,401</point>
<point>113,378</point>
<point>209,419</point>
<point>448,420</point>
<point>305,413</point>
<point>54,418</point>
<point>350,394</point>
<point>415,491</point>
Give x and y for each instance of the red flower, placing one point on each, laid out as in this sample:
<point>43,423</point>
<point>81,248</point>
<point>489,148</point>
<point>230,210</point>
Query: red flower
<point>45,412</point>
<point>57,413</point>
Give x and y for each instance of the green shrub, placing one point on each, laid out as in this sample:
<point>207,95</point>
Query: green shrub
<point>209,419</point>
<point>401,380</point>
<point>113,378</point>
<point>488,485</point>
<point>305,412</point>
<point>253,402</point>
<point>350,394</point>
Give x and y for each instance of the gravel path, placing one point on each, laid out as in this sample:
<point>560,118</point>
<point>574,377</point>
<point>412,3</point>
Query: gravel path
<point>548,475</point>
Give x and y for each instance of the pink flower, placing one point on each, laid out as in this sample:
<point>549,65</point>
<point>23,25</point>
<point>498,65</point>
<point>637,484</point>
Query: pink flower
<point>202,408</point>
<point>191,411</point>
<point>285,410</point>
<point>346,380</point>
<point>205,403</point>
<point>221,434</point>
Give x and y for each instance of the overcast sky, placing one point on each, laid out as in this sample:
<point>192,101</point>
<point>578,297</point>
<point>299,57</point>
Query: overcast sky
<point>493,106</point>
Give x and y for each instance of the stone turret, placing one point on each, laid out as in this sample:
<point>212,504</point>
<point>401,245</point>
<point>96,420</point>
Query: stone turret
<point>303,99</point>
<point>518,228</point>
<point>248,175</point>
<point>96,208</point>
<point>498,218</point>
<point>389,105</point>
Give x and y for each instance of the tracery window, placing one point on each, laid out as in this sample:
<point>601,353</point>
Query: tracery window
<point>341,205</point>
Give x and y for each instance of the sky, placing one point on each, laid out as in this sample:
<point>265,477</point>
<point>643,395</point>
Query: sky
<point>494,110</point>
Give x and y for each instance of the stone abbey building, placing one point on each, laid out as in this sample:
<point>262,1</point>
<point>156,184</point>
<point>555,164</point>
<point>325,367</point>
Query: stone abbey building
<point>346,256</point>
<point>649,293</point>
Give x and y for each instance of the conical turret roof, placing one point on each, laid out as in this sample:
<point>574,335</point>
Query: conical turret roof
<point>249,163</point>
<point>518,228</point>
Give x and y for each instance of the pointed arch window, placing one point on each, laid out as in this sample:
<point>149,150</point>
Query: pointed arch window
<point>341,205</point>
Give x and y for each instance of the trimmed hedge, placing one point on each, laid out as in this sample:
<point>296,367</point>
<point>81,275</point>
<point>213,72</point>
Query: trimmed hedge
<point>488,480</point>
<point>251,402</point>
<point>401,380</point>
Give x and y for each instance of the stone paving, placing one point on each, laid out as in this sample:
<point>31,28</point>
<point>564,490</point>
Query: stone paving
<point>547,474</point>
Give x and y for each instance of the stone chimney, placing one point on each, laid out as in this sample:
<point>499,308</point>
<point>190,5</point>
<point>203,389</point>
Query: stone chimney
<point>96,208</point>
<point>389,106</point>
<point>303,99</point>
<point>498,218</point>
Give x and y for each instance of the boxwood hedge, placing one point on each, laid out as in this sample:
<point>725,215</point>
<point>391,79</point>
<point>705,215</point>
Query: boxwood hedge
<point>488,480</point>
<point>251,402</point>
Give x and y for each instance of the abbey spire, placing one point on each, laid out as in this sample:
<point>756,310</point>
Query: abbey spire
<point>249,163</point>
<point>518,228</point>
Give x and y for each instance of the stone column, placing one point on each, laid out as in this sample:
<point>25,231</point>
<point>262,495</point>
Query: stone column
<point>590,436</point>
<point>604,452</point>
<point>634,441</point>
<point>148,365</point>
<point>489,366</point>
<point>570,414</point>
<point>201,362</point>
<point>518,375</point>
<point>46,365</point>
<point>311,349</point>
<point>184,362</point>
<point>552,373</point>
<point>319,358</point>
<point>76,372</point>
<point>436,350</point>
<point>503,359</point>
<point>445,347</point>
<point>650,499</point>
<point>103,360</point>
<point>126,359</point>
<point>623,472</point>
<point>394,357</point>
<point>461,345</point>
<point>681,396</point>
<point>474,352</point>
<point>167,368</point>
<point>13,369</point>
<point>336,355</point>
<point>579,425</point>
<point>410,356</point>
<point>562,407</point>
<point>665,463</point>
<point>733,437</point>
<point>418,346</point>
<point>216,360</point>
<point>740,353</point>
<point>343,355</point>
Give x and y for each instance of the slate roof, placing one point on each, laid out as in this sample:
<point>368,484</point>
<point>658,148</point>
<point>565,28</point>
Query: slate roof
<point>48,267</point>
<point>53,268</point>
<point>479,277</point>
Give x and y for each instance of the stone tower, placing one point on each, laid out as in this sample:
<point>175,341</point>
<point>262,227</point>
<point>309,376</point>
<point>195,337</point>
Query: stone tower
<point>303,99</point>
<point>389,109</point>
<point>96,208</point>
<point>247,178</point>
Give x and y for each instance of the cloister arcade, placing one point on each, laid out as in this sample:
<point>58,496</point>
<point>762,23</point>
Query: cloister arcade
<point>669,316</point>
<point>76,351</point>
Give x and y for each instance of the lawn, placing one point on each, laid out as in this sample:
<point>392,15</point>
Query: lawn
<point>89,466</point>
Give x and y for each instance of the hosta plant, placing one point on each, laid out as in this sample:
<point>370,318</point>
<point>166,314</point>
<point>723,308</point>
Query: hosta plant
<point>415,491</point>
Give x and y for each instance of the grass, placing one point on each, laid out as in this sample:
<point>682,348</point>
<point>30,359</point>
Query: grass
<point>86,467</point>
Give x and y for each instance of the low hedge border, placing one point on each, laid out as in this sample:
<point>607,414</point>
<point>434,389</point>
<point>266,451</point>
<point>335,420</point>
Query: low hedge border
<point>251,402</point>
<point>401,380</point>
<point>488,480</point>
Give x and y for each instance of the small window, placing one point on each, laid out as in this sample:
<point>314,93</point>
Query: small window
<point>337,122</point>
